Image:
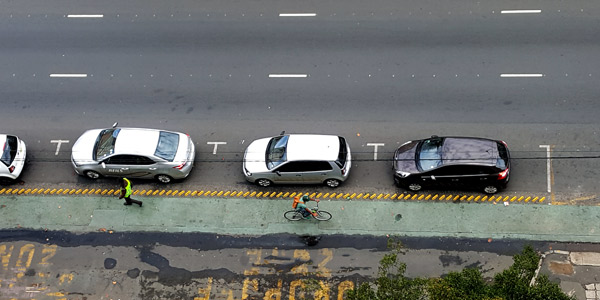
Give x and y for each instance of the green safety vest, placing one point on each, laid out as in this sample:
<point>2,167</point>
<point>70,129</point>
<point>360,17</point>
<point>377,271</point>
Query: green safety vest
<point>127,188</point>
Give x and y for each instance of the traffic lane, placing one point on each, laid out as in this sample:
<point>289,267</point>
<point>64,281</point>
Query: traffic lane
<point>469,43</point>
<point>443,97</point>
<point>155,265</point>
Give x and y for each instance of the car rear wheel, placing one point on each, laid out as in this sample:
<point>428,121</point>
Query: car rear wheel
<point>415,187</point>
<point>490,189</point>
<point>92,174</point>
<point>332,183</point>
<point>264,182</point>
<point>164,178</point>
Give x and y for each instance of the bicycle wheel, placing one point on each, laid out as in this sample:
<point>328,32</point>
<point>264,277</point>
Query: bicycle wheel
<point>323,215</point>
<point>293,215</point>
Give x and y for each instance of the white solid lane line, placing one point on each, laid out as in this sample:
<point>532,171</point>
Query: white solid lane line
<point>298,15</point>
<point>85,16</point>
<point>521,75</point>
<point>288,75</point>
<point>526,11</point>
<point>69,75</point>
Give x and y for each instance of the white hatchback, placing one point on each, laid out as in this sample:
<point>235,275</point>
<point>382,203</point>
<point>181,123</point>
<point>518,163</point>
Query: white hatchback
<point>298,159</point>
<point>13,157</point>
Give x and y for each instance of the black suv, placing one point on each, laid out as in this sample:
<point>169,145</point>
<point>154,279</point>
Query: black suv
<point>452,162</point>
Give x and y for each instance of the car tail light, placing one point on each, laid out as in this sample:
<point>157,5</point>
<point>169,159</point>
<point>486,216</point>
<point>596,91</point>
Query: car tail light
<point>344,171</point>
<point>503,174</point>
<point>11,169</point>
<point>180,166</point>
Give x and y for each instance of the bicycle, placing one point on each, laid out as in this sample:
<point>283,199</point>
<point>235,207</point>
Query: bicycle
<point>294,215</point>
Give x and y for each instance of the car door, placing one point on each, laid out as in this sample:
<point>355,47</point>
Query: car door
<point>117,165</point>
<point>476,176</point>
<point>290,172</point>
<point>445,176</point>
<point>143,167</point>
<point>316,171</point>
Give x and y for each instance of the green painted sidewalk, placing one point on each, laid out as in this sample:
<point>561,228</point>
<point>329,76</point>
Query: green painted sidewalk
<point>265,216</point>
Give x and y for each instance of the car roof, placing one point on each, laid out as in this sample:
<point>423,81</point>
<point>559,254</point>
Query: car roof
<point>313,147</point>
<point>139,141</point>
<point>466,150</point>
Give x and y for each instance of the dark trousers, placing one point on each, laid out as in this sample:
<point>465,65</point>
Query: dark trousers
<point>129,201</point>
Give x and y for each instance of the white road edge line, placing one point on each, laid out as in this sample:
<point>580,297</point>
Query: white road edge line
<point>85,16</point>
<point>69,75</point>
<point>299,15</point>
<point>548,166</point>
<point>521,75</point>
<point>288,75</point>
<point>525,11</point>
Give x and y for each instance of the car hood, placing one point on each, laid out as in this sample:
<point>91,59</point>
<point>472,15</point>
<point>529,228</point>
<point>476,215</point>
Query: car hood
<point>404,158</point>
<point>83,148</point>
<point>254,157</point>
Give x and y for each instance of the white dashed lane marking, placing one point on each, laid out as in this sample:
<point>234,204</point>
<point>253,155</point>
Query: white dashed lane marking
<point>298,15</point>
<point>521,75</point>
<point>288,75</point>
<point>69,75</point>
<point>85,16</point>
<point>526,11</point>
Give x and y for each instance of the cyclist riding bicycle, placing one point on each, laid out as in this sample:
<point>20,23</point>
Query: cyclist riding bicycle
<point>300,206</point>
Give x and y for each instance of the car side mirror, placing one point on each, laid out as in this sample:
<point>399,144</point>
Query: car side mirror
<point>277,172</point>
<point>103,165</point>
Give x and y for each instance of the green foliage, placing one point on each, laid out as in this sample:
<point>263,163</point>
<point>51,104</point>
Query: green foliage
<point>469,284</point>
<point>465,285</point>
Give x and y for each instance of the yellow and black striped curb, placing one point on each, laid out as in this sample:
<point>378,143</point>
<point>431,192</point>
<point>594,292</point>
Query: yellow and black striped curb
<point>254,194</point>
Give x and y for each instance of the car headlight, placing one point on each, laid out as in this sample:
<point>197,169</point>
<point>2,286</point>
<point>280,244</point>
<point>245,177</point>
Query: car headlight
<point>402,174</point>
<point>247,172</point>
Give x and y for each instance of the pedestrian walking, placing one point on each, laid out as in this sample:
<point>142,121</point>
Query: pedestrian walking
<point>126,192</point>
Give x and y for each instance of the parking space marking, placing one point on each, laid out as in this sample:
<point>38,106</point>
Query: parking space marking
<point>58,143</point>
<point>216,145</point>
<point>376,145</point>
<point>548,167</point>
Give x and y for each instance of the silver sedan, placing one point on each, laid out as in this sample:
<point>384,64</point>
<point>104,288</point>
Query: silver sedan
<point>133,153</point>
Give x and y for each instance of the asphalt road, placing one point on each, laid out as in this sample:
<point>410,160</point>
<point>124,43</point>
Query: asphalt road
<point>380,72</point>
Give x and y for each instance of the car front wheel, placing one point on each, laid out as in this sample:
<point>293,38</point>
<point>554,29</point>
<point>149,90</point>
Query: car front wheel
<point>164,178</point>
<point>490,189</point>
<point>264,182</point>
<point>92,174</point>
<point>415,187</point>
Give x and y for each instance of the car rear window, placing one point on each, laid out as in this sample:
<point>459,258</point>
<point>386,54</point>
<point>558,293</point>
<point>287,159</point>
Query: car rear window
<point>105,144</point>
<point>343,155</point>
<point>503,156</point>
<point>168,142</point>
<point>276,151</point>
<point>9,150</point>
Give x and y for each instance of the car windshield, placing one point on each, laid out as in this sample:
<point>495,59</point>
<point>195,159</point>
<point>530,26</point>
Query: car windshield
<point>105,144</point>
<point>430,154</point>
<point>168,142</point>
<point>276,151</point>
<point>9,150</point>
